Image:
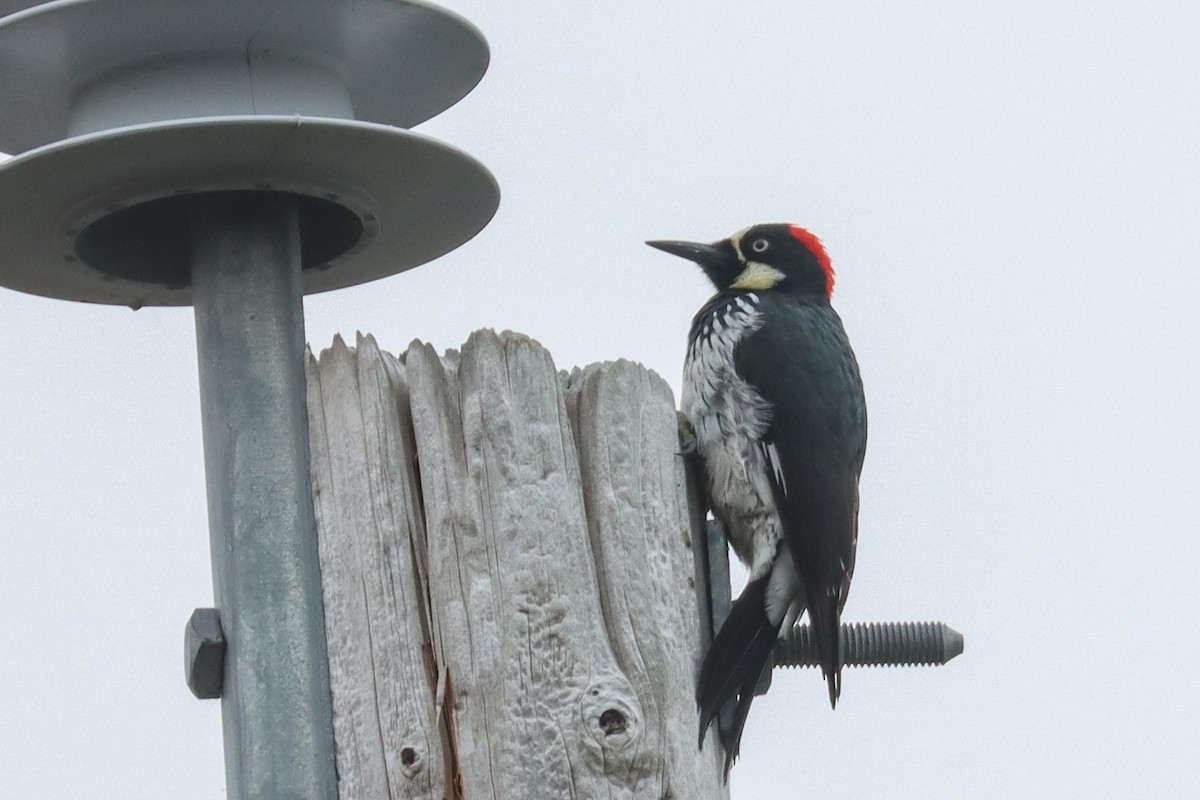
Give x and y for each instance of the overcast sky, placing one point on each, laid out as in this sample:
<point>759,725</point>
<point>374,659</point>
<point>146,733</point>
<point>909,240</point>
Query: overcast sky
<point>1010,193</point>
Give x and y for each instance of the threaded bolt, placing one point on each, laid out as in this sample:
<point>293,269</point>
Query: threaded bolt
<point>876,644</point>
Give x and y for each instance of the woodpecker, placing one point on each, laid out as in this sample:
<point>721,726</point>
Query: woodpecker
<point>773,394</point>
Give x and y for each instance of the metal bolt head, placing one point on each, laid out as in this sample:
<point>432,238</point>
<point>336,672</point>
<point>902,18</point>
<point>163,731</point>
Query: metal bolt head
<point>204,653</point>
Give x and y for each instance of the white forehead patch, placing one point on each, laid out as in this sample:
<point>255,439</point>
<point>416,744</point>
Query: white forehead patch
<point>736,241</point>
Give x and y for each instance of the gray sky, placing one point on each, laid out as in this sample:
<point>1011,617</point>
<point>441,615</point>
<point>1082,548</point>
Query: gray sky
<point>1010,196</point>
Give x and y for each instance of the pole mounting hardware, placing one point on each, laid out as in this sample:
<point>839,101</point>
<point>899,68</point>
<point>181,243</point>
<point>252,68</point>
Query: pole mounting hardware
<point>204,653</point>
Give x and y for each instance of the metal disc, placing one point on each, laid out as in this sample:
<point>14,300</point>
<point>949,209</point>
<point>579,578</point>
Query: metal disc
<point>397,62</point>
<point>389,200</point>
<point>13,6</point>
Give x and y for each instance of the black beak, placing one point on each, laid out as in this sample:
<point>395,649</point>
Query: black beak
<point>719,261</point>
<point>703,254</point>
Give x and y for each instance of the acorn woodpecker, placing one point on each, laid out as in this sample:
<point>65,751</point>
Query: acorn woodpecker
<point>773,394</point>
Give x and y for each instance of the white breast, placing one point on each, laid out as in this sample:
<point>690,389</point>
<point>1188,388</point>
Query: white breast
<point>729,417</point>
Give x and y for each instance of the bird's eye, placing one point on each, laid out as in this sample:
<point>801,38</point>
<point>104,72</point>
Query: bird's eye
<point>760,245</point>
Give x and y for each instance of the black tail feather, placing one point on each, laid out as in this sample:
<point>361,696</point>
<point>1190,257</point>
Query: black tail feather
<point>733,665</point>
<point>826,626</point>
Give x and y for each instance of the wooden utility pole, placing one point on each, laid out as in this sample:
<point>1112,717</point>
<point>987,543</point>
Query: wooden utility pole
<point>508,563</point>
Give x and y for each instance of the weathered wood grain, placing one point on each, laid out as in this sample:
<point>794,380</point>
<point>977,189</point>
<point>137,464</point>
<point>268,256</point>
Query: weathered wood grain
<point>540,549</point>
<point>371,542</point>
<point>540,707</point>
<point>635,490</point>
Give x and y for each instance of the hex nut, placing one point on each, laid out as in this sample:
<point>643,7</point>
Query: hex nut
<point>204,653</point>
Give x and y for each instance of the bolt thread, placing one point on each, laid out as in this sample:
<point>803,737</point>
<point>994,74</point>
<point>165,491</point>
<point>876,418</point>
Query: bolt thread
<point>875,644</point>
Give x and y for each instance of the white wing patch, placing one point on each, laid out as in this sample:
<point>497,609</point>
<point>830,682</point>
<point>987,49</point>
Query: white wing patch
<point>776,467</point>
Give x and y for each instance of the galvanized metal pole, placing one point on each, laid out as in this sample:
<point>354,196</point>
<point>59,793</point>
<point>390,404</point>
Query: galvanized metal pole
<point>275,701</point>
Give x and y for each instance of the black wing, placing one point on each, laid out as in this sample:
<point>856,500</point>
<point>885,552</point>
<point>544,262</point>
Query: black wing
<point>800,361</point>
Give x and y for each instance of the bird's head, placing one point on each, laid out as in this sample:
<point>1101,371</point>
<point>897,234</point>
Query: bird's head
<point>761,258</point>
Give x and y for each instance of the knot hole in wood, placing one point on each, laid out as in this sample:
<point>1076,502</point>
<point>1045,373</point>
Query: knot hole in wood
<point>410,761</point>
<point>612,714</point>
<point>612,721</point>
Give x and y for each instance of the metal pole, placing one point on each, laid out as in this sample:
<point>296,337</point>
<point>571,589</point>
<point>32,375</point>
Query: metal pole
<point>275,703</point>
